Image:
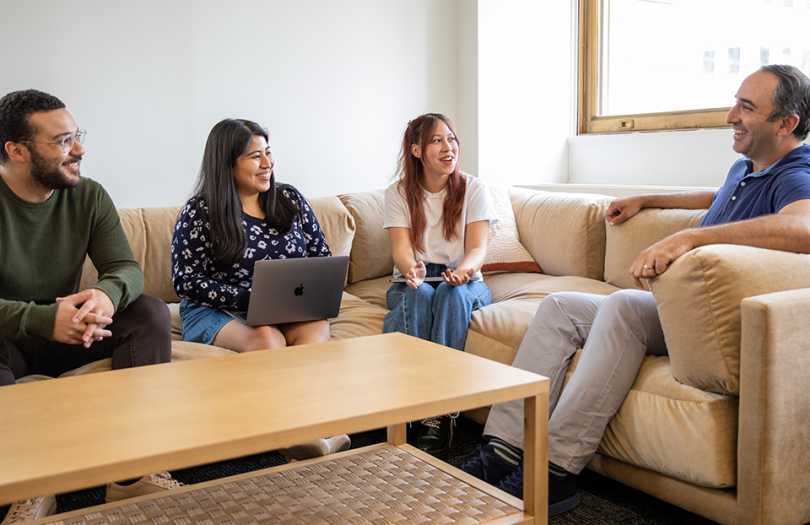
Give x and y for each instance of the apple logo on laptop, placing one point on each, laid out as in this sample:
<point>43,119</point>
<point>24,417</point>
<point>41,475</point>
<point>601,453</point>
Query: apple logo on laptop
<point>299,290</point>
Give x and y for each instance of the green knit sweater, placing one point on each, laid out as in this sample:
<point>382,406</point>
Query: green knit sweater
<point>43,246</point>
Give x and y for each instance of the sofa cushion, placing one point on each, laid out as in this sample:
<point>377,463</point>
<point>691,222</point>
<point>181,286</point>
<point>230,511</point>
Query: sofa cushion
<point>336,223</point>
<point>357,318</point>
<point>497,330</point>
<point>181,351</point>
<point>504,251</point>
<point>371,254</point>
<point>698,300</point>
<point>674,429</point>
<point>371,290</point>
<point>174,311</point>
<point>563,232</point>
<point>149,231</point>
<point>626,240</point>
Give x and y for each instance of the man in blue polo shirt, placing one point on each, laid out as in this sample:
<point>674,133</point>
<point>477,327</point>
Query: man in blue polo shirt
<point>765,202</point>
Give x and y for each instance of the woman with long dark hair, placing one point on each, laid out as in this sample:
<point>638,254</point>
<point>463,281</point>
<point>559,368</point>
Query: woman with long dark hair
<point>237,216</point>
<point>438,219</point>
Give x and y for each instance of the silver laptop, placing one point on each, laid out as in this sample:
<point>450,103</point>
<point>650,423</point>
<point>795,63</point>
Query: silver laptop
<point>295,290</point>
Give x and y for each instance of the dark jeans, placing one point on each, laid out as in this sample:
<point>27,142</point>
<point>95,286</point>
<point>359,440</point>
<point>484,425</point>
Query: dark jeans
<point>141,335</point>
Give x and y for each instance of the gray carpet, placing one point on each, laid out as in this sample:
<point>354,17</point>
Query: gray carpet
<point>602,500</point>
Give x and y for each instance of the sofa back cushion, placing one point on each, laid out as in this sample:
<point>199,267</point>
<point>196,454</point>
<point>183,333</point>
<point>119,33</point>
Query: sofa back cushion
<point>336,222</point>
<point>372,254</point>
<point>626,240</point>
<point>564,232</point>
<point>699,298</point>
<point>149,231</point>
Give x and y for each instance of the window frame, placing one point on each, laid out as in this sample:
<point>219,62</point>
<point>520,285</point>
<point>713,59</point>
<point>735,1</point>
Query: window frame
<point>588,85</point>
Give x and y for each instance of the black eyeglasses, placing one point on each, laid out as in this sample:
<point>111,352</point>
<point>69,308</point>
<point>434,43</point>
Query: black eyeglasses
<point>67,142</point>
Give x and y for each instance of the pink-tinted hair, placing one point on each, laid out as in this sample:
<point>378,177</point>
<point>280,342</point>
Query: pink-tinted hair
<point>410,173</point>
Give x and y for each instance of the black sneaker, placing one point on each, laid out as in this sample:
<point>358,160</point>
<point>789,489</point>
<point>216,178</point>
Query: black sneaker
<point>436,435</point>
<point>486,465</point>
<point>562,493</point>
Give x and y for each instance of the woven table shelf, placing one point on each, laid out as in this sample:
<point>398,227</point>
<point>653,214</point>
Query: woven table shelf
<point>380,485</point>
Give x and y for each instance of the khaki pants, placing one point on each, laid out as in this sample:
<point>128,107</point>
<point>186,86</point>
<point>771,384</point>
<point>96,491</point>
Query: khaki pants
<point>615,333</point>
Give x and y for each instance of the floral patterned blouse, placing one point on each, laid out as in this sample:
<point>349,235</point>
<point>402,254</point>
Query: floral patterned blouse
<point>197,278</point>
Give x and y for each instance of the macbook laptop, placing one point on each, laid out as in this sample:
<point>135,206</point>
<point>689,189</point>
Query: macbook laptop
<point>295,290</point>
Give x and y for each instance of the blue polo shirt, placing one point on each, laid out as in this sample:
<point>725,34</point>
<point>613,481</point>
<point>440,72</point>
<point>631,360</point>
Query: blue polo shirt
<point>746,195</point>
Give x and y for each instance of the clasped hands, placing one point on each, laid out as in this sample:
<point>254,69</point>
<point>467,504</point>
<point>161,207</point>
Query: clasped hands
<point>416,276</point>
<point>82,317</point>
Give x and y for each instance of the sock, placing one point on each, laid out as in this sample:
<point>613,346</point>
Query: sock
<point>507,453</point>
<point>557,471</point>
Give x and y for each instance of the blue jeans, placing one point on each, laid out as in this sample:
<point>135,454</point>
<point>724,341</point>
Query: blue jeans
<point>437,312</point>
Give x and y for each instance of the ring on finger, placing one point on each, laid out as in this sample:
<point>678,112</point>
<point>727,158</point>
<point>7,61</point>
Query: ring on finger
<point>648,267</point>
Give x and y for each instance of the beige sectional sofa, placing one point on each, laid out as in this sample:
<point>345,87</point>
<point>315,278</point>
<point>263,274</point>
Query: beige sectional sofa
<point>719,427</point>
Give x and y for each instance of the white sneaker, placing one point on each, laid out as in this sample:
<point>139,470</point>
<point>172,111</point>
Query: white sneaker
<point>317,448</point>
<point>150,484</point>
<point>30,509</point>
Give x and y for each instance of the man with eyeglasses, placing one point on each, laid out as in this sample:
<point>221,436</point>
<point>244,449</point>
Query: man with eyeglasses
<point>50,219</point>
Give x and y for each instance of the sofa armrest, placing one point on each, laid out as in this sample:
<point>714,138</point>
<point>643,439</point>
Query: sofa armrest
<point>699,298</point>
<point>773,464</point>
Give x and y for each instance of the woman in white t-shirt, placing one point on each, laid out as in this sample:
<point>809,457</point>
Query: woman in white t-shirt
<point>438,219</point>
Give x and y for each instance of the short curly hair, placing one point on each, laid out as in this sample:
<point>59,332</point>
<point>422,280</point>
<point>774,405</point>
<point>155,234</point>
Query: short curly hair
<point>15,108</point>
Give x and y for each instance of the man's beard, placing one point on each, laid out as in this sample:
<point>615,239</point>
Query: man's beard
<point>50,177</point>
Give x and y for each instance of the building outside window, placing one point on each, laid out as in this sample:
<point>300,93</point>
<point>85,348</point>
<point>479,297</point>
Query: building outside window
<point>708,62</point>
<point>764,55</point>
<point>676,64</point>
<point>734,61</point>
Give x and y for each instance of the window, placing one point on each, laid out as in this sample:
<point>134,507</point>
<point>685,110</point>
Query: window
<point>764,55</point>
<point>708,62</point>
<point>734,61</point>
<point>652,65</point>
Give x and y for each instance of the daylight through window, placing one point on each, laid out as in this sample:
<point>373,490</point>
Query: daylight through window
<point>676,64</point>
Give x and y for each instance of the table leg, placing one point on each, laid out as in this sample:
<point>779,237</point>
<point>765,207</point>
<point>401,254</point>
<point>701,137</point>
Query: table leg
<point>397,434</point>
<point>535,458</point>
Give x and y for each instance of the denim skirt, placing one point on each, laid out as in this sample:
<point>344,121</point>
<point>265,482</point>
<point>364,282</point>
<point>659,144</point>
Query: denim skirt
<point>200,324</point>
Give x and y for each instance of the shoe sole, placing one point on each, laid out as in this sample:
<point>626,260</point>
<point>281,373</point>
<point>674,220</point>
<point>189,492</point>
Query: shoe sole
<point>312,450</point>
<point>439,454</point>
<point>564,505</point>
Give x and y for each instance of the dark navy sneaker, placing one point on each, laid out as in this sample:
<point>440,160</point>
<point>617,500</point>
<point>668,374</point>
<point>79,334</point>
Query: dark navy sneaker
<point>513,483</point>
<point>486,465</point>
<point>562,493</point>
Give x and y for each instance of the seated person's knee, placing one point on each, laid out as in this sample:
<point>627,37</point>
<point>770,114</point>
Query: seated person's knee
<point>627,301</point>
<point>265,337</point>
<point>152,312</point>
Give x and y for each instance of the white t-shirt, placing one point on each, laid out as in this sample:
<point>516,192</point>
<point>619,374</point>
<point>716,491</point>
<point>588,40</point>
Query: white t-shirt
<point>438,250</point>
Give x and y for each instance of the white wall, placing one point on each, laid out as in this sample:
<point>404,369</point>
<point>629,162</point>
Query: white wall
<point>526,89</point>
<point>334,82</point>
<point>677,158</point>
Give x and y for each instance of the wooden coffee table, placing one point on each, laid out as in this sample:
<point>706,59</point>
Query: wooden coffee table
<point>85,431</point>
